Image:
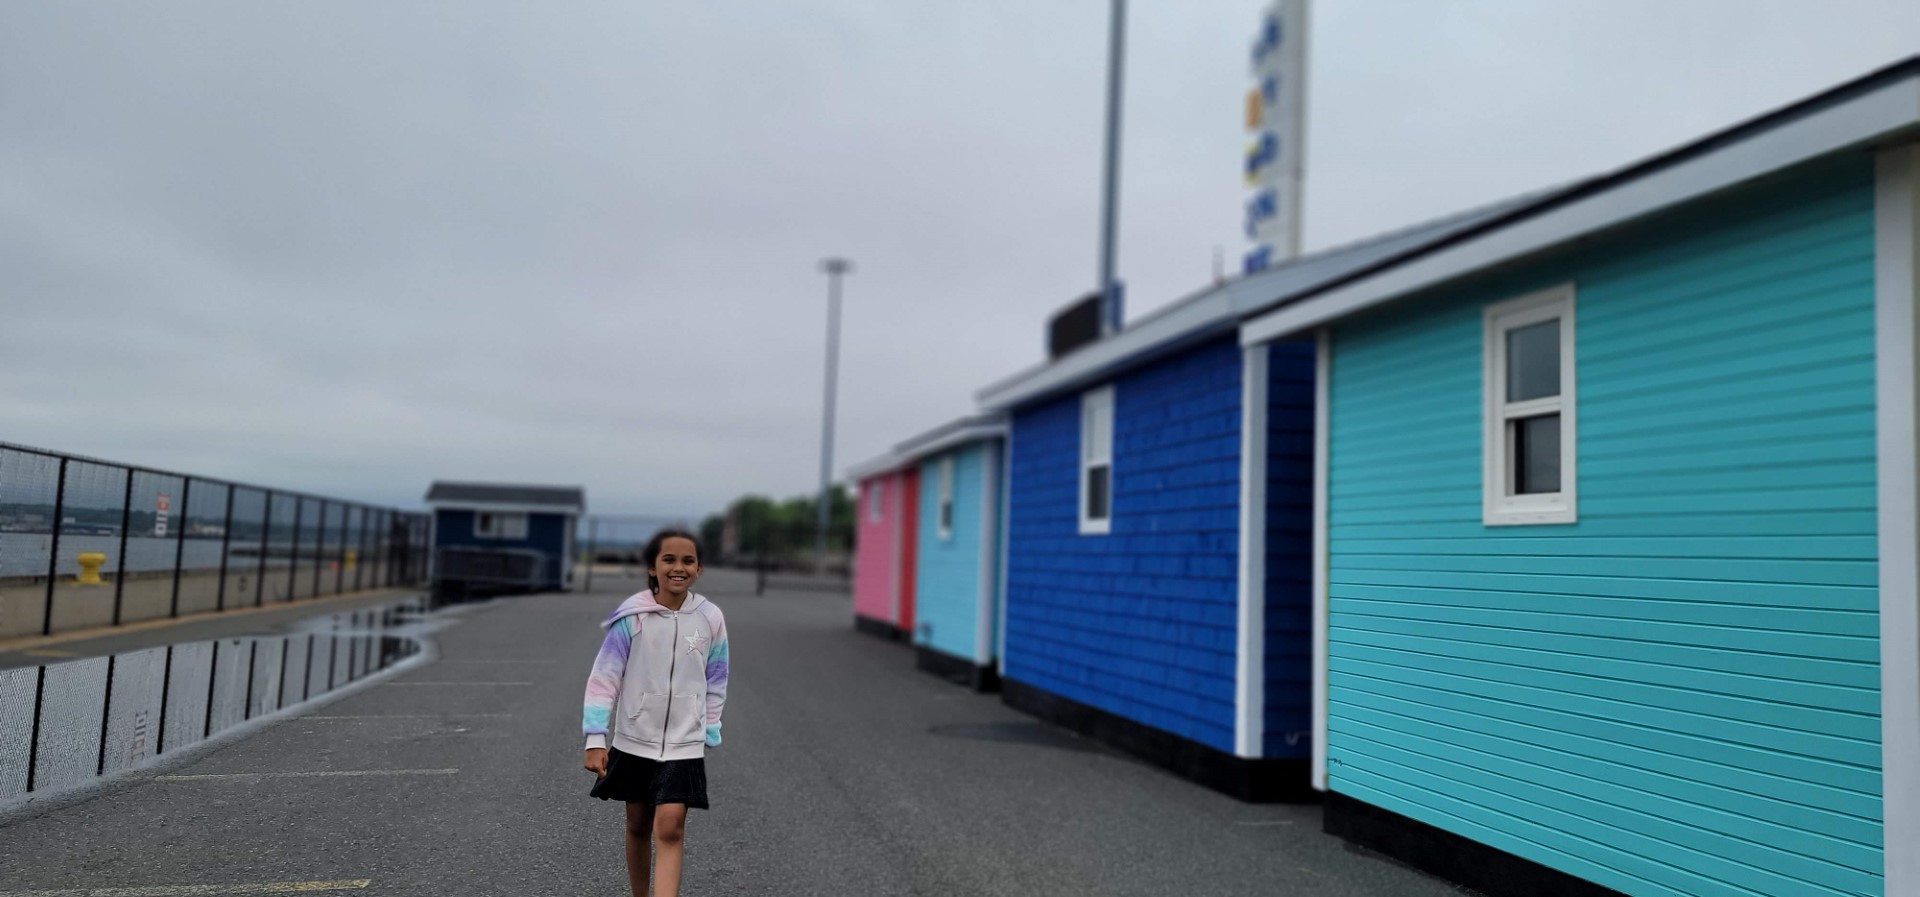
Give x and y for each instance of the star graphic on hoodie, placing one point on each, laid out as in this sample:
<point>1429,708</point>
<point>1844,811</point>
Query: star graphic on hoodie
<point>695,643</point>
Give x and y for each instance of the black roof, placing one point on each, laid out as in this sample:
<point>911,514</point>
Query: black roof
<point>507,494</point>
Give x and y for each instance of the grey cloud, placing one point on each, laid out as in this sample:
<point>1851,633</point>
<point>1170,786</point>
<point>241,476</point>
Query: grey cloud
<point>353,247</point>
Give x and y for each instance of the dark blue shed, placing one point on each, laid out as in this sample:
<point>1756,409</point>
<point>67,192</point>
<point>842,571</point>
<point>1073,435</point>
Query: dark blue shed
<point>501,538</point>
<point>1158,564</point>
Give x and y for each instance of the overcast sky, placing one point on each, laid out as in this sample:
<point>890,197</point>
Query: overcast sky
<point>352,247</point>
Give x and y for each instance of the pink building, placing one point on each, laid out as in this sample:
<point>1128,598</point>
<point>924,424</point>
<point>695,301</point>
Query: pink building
<point>883,564</point>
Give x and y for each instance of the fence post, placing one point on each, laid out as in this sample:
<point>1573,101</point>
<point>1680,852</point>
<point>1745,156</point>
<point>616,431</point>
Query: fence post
<point>213,679</point>
<point>360,553</point>
<point>253,659</point>
<point>226,544</point>
<point>319,545</point>
<point>33,739</point>
<point>266,531</point>
<point>120,580</point>
<point>353,648</point>
<point>280,693</point>
<point>593,538</point>
<point>106,702</point>
<point>166,688</point>
<point>53,563</point>
<point>306,678</point>
<point>179,552</point>
<point>340,560</point>
<point>293,556</point>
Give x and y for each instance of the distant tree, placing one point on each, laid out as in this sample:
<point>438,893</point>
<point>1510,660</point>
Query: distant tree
<point>783,531</point>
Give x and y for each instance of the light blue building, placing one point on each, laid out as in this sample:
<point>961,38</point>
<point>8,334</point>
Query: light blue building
<point>1158,561</point>
<point>1615,524</point>
<point>957,562</point>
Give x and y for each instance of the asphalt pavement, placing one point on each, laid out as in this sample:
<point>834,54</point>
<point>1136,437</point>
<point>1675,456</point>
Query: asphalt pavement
<point>845,772</point>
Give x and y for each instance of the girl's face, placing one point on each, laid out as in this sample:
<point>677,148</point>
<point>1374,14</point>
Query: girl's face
<point>677,566</point>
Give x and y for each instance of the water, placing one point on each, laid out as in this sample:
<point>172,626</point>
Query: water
<point>25,554</point>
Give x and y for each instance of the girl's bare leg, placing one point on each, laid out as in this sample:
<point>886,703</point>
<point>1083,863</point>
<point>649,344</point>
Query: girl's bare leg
<point>640,848</point>
<point>669,837</point>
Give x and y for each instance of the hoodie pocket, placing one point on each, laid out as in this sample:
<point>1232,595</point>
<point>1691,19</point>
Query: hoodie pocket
<point>689,723</point>
<point>647,722</point>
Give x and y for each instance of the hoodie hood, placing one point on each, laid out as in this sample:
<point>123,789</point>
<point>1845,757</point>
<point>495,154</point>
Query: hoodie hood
<point>643,603</point>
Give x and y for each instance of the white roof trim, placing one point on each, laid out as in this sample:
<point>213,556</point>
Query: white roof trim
<point>908,452</point>
<point>1855,121</point>
<point>506,507</point>
<point>865,470</point>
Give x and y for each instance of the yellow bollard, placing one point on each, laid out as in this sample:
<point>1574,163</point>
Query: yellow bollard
<point>353,557</point>
<point>90,562</point>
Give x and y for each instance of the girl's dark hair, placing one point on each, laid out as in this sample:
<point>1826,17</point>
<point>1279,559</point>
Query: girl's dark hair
<point>658,542</point>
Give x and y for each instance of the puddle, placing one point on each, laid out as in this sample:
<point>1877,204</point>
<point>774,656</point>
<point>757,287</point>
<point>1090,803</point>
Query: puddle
<point>64,724</point>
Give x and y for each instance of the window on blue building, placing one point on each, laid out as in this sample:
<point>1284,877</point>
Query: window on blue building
<point>1096,461</point>
<point>1529,444</point>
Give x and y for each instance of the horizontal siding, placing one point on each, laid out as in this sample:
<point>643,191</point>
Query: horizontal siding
<point>1288,728</point>
<point>947,597</point>
<point>1141,622</point>
<point>875,550</point>
<point>1679,694</point>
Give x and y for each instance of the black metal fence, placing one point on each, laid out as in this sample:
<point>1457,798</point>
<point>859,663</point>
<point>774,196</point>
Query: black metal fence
<point>87,543</point>
<point>63,724</point>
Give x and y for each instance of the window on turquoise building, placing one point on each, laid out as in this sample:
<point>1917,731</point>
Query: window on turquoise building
<point>1096,460</point>
<point>874,496</point>
<point>1529,436</point>
<point>946,498</point>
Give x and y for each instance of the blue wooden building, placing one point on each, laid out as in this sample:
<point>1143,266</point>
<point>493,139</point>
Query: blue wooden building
<point>500,538</point>
<point>957,564</point>
<point>1615,565</point>
<point>1157,562</point>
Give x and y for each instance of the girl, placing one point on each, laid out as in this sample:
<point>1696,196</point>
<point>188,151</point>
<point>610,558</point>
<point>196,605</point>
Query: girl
<point>660,680</point>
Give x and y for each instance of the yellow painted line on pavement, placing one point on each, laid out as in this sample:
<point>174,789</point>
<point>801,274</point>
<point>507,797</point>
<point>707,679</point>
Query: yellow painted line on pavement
<point>334,773</point>
<point>276,887</point>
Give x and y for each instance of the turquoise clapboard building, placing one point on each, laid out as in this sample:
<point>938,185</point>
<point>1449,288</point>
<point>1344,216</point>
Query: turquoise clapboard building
<point>957,565</point>
<point>1615,528</point>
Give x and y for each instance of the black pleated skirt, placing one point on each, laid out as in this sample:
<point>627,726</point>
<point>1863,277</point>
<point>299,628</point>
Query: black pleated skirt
<point>638,780</point>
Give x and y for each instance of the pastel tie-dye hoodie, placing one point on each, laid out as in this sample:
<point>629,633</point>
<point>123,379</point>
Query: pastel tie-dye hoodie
<point>659,683</point>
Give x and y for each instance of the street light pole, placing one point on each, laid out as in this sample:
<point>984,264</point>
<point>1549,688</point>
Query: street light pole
<point>836,268</point>
<point>1110,192</point>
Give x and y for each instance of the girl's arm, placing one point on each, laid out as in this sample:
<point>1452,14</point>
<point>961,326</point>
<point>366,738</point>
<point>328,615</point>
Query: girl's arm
<point>717,656</point>
<point>603,683</point>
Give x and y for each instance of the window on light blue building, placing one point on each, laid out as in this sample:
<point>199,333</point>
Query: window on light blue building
<point>1529,417</point>
<point>946,499</point>
<point>1096,461</point>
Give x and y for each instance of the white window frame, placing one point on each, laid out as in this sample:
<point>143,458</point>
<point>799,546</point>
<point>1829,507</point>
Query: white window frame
<point>508,526</point>
<point>1090,400</point>
<point>1500,506</point>
<point>876,501</point>
<point>943,519</point>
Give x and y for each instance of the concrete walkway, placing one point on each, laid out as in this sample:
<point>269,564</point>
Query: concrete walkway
<point>845,772</point>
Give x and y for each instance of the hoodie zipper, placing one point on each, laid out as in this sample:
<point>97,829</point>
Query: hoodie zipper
<point>666,725</point>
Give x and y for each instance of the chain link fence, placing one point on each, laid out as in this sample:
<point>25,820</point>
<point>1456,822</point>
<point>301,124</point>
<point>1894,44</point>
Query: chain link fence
<point>87,543</point>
